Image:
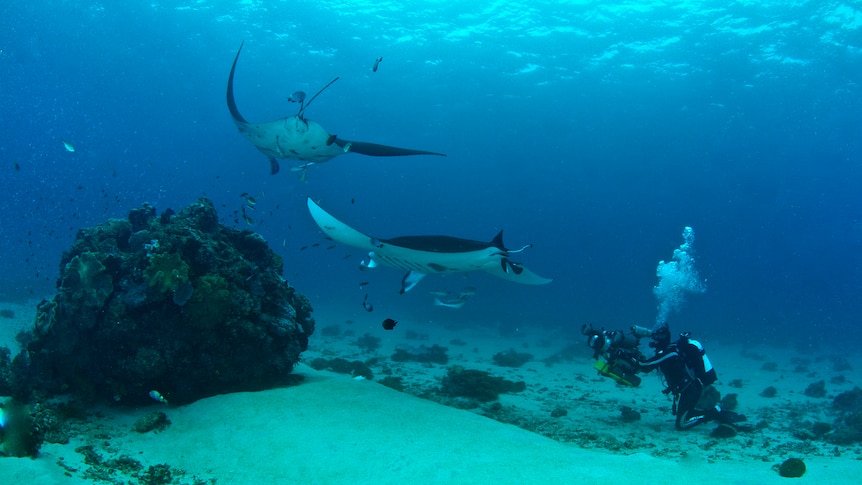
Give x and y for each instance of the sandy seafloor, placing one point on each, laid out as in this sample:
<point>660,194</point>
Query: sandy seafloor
<point>334,428</point>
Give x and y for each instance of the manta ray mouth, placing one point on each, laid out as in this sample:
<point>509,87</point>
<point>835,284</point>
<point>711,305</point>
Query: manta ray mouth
<point>511,266</point>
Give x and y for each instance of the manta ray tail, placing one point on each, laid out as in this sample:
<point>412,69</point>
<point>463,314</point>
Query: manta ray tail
<point>376,150</point>
<point>304,105</point>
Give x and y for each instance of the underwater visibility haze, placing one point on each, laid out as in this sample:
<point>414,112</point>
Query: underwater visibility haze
<point>604,134</point>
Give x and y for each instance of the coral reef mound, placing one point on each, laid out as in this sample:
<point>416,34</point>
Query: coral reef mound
<point>178,304</point>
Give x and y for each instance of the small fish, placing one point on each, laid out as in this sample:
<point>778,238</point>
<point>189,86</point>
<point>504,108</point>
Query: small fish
<point>389,324</point>
<point>297,97</point>
<point>410,280</point>
<point>376,64</point>
<point>315,245</point>
<point>248,220</point>
<point>446,299</point>
<point>303,248</point>
<point>456,303</point>
<point>17,167</point>
<point>69,147</point>
<point>363,284</point>
<point>352,200</point>
<point>366,305</point>
<point>157,396</point>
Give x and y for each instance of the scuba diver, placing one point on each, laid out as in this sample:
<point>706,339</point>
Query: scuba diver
<point>687,372</point>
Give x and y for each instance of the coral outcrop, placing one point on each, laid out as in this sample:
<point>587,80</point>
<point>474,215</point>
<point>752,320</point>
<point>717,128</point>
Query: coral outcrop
<point>175,303</point>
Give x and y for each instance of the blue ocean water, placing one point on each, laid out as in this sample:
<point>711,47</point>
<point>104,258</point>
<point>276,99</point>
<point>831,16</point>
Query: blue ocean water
<point>596,131</point>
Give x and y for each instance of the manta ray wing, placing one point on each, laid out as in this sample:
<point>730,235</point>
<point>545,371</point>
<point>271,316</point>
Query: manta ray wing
<point>428,254</point>
<point>301,139</point>
<point>517,273</point>
<point>337,230</point>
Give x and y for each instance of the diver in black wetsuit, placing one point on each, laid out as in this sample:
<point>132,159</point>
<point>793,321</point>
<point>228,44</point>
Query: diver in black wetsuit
<point>687,371</point>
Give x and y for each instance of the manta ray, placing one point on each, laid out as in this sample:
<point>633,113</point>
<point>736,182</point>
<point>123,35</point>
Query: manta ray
<point>423,255</point>
<point>299,138</point>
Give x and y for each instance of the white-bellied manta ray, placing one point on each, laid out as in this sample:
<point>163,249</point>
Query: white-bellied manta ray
<point>298,138</point>
<point>422,255</point>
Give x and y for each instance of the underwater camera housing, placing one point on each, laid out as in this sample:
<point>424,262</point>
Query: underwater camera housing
<point>616,352</point>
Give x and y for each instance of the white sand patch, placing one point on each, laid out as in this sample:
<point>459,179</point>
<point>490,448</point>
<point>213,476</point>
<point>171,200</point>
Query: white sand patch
<point>334,429</point>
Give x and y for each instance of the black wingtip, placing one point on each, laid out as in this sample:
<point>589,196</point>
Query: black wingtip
<point>231,103</point>
<point>377,150</point>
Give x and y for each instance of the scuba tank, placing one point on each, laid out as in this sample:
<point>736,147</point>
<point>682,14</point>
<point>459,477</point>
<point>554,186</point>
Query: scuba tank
<point>696,359</point>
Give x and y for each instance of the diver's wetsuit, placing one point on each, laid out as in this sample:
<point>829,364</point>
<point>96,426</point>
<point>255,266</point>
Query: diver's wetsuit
<point>681,363</point>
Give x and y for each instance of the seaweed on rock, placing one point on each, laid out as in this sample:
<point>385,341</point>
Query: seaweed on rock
<point>434,354</point>
<point>512,358</point>
<point>166,272</point>
<point>117,327</point>
<point>477,384</point>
